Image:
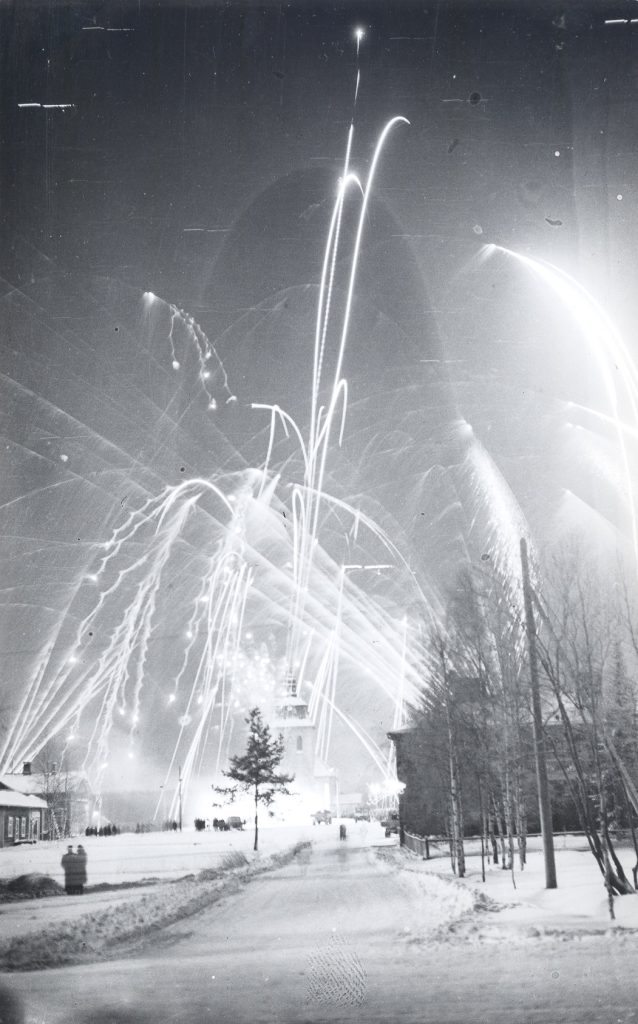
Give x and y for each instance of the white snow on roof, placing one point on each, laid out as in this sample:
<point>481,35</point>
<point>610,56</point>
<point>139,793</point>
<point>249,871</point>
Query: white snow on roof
<point>38,783</point>
<point>10,798</point>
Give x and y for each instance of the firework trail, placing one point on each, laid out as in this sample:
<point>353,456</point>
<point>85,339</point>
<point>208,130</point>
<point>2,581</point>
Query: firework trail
<point>307,498</point>
<point>235,577</point>
<point>618,371</point>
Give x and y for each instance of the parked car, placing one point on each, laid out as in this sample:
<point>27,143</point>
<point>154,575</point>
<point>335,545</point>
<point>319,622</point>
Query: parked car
<point>235,822</point>
<point>362,814</point>
<point>391,823</point>
<point>322,816</point>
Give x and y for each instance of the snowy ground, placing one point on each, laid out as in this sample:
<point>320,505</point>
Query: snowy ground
<point>126,861</point>
<point>131,857</point>
<point>360,931</point>
<point>579,905</point>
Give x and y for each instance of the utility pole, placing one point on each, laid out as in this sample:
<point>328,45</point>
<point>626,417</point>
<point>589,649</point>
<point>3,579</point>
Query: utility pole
<point>179,774</point>
<point>544,802</point>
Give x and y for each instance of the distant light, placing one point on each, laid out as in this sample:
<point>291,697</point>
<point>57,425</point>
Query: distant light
<point>189,634</point>
<point>122,710</point>
<point>619,197</point>
<point>359,34</point>
<point>149,297</point>
<point>73,659</point>
<point>557,152</point>
<point>130,754</point>
<point>171,698</point>
<point>212,404</point>
<point>206,374</point>
<point>176,364</point>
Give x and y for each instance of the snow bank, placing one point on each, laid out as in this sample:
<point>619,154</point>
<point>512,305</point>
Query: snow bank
<point>519,910</point>
<point>131,857</point>
<point>100,934</point>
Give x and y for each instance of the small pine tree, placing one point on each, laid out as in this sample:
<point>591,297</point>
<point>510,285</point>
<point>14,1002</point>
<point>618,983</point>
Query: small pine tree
<point>255,771</point>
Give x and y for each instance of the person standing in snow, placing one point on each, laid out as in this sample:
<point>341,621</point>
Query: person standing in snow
<point>81,859</point>
<point>69,868</point>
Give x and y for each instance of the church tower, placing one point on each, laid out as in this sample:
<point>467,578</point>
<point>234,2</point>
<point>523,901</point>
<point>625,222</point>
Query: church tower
<point>292,722</point>
<point>314,782</point>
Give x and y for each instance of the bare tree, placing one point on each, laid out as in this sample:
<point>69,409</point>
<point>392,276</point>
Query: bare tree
<point>576,648</point>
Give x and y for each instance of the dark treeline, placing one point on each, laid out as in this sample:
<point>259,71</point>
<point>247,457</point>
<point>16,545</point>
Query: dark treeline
<point>469,761</point>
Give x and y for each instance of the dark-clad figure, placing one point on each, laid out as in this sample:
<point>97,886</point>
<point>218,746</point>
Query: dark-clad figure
<point>69,868</point>
<point>81,859</point>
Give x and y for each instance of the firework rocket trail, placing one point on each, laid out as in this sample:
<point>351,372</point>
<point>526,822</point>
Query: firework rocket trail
<point>115,678</point>
<point>307,499</point>
<point>608,349</point>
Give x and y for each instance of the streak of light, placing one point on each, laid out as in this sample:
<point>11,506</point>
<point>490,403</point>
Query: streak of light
<point>607,347</point>
<point>214,664</point>
<point>604,418</point>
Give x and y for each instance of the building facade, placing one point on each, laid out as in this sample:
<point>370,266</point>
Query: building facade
<point>23,818</point>
<point>315,783</point>
<point>67,795</point>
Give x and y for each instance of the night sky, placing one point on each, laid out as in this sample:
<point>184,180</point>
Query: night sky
<point>193,151</point>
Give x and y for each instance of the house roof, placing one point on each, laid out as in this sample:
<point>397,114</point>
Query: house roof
<point>24,801</point>
<point>403,731</point>
<point>40,783</point>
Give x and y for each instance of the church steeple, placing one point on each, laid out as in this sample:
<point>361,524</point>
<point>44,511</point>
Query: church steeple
<point>313,781</point>
<point>291,705</point>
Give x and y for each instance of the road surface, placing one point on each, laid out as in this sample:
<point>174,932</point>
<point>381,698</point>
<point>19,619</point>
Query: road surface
<point>334,936</point>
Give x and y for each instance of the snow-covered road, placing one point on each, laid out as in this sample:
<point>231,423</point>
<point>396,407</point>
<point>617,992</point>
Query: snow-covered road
<point>338,935</point>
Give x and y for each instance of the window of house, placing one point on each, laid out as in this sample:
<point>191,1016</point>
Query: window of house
<point>23,828</point>
<point>299,743</point>
<point>10,827</point>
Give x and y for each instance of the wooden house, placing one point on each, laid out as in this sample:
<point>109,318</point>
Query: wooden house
<point>23,817</point>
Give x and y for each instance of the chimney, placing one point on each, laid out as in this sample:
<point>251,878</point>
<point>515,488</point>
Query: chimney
<point>26,768</point>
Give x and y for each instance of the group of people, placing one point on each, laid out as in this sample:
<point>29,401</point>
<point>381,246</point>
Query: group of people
<point>74,866</point>
<point>103,830</point>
